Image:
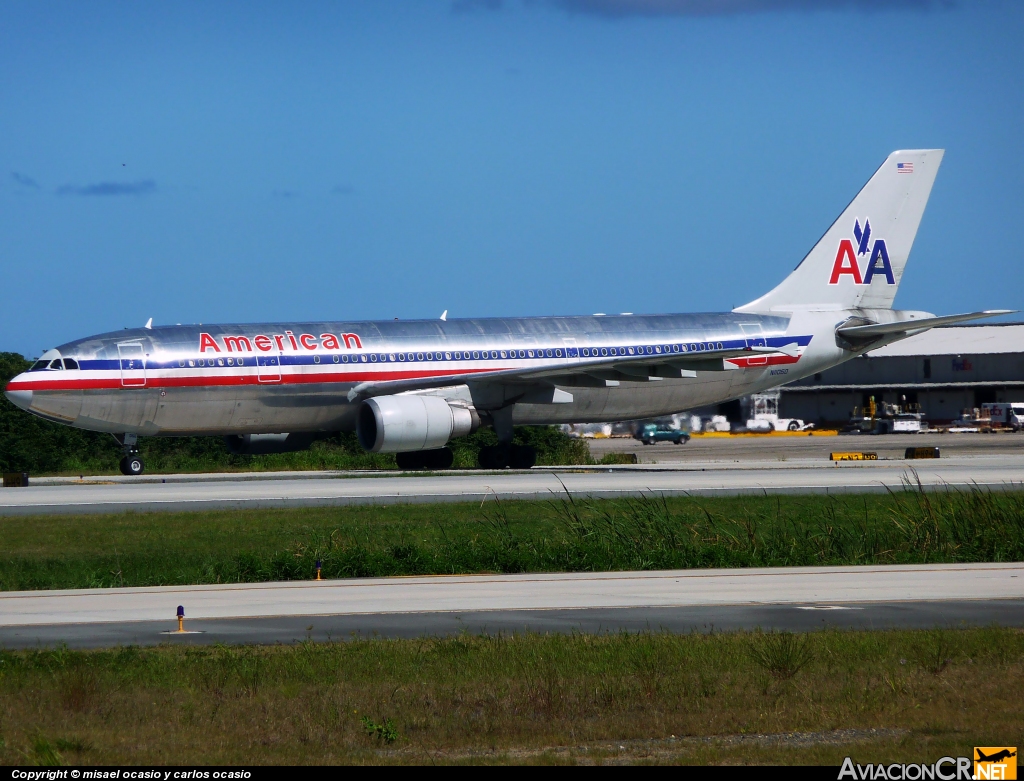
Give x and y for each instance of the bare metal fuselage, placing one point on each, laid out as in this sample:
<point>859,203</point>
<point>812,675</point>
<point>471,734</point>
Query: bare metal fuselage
<point>272,378</point>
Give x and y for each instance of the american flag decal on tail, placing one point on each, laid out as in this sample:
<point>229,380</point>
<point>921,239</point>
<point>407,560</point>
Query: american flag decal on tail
<point>904,168</point>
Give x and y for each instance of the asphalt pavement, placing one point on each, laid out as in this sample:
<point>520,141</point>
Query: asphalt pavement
<point>797,598</point>
<point>992,472</point>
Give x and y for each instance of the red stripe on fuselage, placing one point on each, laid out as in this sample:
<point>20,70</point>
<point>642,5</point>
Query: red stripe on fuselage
<point>761,361</point>
<point>236,380</point>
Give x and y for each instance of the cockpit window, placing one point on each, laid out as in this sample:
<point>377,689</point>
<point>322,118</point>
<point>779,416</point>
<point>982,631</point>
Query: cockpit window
<point>70,363</point>
<point>56,364</point>
<point>39,365</point>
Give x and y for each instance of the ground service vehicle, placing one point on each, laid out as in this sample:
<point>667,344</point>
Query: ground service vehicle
<point>408,387</point>
<point>1009,415</point>
<point>651,433</point>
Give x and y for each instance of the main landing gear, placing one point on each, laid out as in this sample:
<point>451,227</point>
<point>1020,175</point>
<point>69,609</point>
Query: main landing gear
<point>132,463</point>
<point>442,458</point>
<point>507,455</point>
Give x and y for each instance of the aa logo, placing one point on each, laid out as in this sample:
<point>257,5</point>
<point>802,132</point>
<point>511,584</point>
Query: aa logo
<point>995,762</point>
<point>847,262</point>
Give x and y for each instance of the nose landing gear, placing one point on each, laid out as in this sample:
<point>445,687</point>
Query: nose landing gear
<point>132,463</point>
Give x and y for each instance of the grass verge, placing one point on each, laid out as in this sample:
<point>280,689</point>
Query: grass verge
<point>558,536</point>
<point>746,697</point>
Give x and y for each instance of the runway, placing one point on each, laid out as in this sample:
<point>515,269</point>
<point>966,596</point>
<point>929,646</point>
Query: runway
<point>685,600</point>
<point>694,479</point>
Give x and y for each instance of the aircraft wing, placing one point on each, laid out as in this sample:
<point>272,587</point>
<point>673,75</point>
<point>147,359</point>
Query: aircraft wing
<point>598,372</point>
<point>875,330</point>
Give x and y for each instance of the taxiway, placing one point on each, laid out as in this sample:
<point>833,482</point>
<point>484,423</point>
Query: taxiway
<point>710,478</point>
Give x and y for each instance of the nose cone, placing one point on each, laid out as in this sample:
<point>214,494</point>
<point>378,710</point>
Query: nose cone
<point>17,394</point>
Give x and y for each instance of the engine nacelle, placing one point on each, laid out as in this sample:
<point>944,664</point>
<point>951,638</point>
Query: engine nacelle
<point>402,424</point>
<point>264,444</point>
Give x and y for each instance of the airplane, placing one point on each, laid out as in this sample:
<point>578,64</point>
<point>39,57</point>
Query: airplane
<point>999,755</point>
<point>409,387</point>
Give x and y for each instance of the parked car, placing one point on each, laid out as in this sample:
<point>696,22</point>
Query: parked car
<point>649,433</point>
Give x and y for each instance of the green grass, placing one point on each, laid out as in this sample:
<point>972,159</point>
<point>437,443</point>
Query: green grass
<point>876,696</point>
<point>557,536</point>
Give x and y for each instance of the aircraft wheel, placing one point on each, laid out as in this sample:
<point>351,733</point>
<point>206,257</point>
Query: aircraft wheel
<point>494,457</point>
<point>522,457</point>
<point>410,461</point>
<point>132,465</point>
<point>442,458</point>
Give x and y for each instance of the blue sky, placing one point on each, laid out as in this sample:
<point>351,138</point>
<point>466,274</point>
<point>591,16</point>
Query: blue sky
<point>233,162</point>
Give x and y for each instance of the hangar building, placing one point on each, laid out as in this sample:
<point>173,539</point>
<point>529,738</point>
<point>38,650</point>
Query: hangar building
<point>945,370</point>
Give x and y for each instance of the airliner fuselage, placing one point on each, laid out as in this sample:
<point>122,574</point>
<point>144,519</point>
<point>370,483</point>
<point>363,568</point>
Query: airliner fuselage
<point>298,377</point>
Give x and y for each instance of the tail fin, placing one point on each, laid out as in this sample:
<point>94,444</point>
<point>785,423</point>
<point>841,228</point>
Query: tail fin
<point>860,260</point>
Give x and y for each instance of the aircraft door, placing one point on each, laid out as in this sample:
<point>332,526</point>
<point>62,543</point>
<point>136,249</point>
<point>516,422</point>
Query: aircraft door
<point>754,337</point>
<point>753,334</point>
<point>132,358</point>
<point>572,352</point>
<point>268,368</point>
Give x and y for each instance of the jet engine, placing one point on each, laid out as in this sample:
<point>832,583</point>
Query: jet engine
<point>402,424</point>
<point>263,444</point>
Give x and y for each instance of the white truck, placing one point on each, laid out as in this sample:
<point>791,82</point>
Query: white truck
<point>766,415</point>
<point>1009,414</point>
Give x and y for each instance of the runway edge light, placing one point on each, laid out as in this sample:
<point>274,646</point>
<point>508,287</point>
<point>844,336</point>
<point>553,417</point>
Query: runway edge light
<point>181,618</point>
<point>318,565</point>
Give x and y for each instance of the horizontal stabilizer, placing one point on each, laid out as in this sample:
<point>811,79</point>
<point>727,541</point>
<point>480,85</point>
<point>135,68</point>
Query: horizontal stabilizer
<point>876,330</point>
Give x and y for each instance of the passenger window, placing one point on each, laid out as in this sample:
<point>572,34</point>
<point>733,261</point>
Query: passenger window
<point>70,363</point>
